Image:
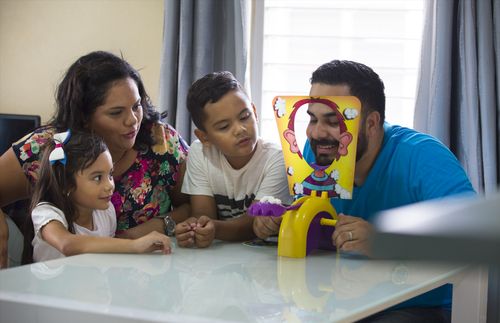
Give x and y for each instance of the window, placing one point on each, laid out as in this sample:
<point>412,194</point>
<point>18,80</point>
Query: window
<point>298,36</point>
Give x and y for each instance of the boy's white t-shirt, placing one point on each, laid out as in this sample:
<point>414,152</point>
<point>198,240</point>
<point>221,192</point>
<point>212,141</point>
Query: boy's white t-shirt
<point>43,213</point>
<point>209,173</point>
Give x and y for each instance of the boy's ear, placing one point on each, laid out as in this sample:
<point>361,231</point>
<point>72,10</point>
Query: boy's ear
<point>201,135</point>
<point>255,112</point>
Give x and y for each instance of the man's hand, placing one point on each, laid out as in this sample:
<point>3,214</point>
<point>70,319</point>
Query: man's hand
<point>204,232</point>
<point>352,234</point>
<point>185,234</point>
<point>4,240</point>
<point>265,226</point>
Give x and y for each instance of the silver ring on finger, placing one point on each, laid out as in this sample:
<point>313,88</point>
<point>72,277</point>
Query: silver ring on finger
<point>350,235</point>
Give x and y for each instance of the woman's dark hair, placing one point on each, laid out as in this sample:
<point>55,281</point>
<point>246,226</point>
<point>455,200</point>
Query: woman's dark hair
<point>209,89</point>
<point>363,83</point>
<point>57,181</point>
<point>85,86</point>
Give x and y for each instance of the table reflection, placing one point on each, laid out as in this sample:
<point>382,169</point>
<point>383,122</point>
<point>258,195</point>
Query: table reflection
<point>320,281</point>
<point>227,281</point>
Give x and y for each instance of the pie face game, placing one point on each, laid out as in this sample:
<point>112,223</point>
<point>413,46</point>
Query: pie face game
<point>332,139</point>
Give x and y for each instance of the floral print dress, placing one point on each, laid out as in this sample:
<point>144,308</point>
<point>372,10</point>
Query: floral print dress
<point>141,192</point>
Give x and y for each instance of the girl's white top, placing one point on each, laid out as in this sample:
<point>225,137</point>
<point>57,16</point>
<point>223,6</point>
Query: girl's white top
<point>43,213</point>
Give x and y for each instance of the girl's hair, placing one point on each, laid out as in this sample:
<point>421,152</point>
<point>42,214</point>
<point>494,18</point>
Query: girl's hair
<point>85,87</point>
<point>56,181</point>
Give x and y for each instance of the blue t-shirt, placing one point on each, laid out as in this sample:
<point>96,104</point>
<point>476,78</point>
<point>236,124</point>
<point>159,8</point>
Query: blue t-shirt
<point>411,167</point>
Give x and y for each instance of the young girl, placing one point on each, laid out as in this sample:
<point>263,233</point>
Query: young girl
<point>71,212</point>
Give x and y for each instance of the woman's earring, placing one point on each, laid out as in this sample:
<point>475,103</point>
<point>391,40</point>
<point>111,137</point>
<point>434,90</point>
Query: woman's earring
<point>67,194</point>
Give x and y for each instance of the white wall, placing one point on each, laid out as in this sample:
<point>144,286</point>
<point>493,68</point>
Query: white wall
<point>39,39</point>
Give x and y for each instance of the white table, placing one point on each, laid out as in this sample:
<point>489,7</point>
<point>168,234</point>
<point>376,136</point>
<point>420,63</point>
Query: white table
<point>226,282</point>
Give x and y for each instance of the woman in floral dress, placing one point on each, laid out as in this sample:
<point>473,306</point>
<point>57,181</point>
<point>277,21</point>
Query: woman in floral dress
<point>104,94</point>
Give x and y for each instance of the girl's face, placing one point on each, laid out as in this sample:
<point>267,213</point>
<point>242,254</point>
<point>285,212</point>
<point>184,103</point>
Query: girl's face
<point>118,119</point>
<point>94,185</point>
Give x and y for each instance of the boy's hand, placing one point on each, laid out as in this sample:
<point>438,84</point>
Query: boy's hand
<point>204,232</point>
<point>153,241</point>
<point>184,233</point>
<point>265,226</point>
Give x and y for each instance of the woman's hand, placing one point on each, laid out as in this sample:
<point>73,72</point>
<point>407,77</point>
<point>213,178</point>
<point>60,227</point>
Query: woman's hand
<point>151,242</point>
<point>352,234</point>
<point>184,233</point>
<point>195,232</point>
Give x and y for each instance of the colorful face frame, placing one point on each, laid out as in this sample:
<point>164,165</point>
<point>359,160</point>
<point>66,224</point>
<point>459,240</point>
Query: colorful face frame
<point>348,112</point>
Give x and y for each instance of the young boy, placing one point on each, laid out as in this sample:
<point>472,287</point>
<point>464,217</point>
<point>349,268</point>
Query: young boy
<point>228,167</point>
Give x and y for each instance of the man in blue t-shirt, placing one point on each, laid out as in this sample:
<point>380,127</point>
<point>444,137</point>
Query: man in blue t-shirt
<point>395,166</point>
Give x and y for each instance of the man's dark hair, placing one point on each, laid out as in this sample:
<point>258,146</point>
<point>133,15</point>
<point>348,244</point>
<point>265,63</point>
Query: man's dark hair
<point>363,82</point>
<point>209,89</point>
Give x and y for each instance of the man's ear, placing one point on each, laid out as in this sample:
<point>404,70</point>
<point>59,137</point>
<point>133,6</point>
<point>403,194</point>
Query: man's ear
<point>372,123</point>
<point>202,136</point>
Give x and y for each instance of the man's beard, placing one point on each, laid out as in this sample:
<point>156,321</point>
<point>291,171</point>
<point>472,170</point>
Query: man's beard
<point>324,159</point>
<point>327,159</point>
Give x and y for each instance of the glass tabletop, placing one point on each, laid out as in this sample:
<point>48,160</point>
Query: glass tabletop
<point>226,282</point>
